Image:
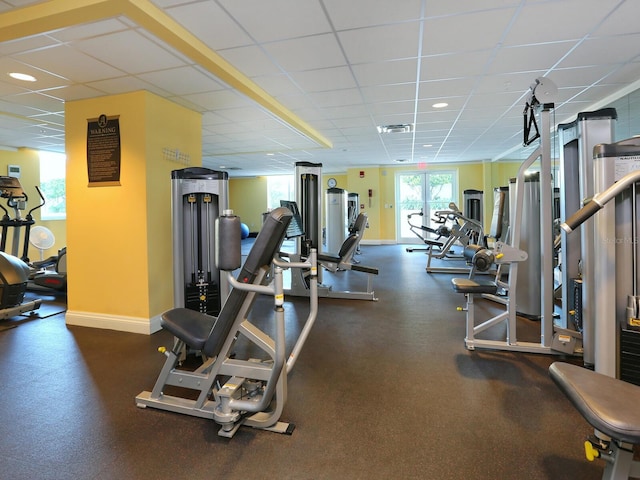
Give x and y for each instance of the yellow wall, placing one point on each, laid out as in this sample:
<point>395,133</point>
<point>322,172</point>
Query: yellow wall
<point>119,237</point>
<point>29,161</point>
<point>248,199</point>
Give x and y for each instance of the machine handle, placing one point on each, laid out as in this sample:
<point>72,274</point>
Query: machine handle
<point>581,216</point>
<point>599,200</point>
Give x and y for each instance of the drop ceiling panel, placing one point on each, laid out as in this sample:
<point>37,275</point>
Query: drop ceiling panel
<point>595,52</point>
<point>386,42</point>
<point>386,73</point>
<point>307,53</point>
<point>251,61</point>
<point>129,51</point>
<point>68,63</point>
<point>181,81</point>
<point>286,18</point>
<point>89,30</point>
<point>455,65</point>
<point>325,79</point>
<point>473,31</point>
<point>558,21</point>
<point>211,24</point>
<point>362,13</point>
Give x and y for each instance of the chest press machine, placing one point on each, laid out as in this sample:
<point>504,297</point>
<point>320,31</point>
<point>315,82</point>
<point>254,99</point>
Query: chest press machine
<point>231,390</point>
<point>608,404</point>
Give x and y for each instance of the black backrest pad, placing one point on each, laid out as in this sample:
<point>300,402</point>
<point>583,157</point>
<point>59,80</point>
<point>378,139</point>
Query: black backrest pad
<point>265,247</point>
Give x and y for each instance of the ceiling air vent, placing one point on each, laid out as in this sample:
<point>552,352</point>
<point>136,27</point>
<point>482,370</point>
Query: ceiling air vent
<point>400,128</point>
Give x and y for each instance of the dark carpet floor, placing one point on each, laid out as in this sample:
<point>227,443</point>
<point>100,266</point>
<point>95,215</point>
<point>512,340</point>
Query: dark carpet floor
<point>382,390</point>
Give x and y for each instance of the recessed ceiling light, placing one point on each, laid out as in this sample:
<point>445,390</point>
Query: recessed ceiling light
<point>427,145</point>
<point>270,154</point>
<point>22,76</point>
<point>440,105</point>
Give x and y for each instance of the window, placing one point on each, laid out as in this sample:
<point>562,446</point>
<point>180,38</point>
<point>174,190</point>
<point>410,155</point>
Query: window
<point>52,185</point>
<point>422,191</point>
<point>279,187</point>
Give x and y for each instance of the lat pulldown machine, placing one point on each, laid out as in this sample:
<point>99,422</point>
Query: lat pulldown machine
<point>539,102</point>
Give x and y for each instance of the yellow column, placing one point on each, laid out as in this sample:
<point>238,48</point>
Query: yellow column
<point>119,236</point>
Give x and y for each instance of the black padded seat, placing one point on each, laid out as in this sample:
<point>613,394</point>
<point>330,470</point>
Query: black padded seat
<point>192,327</point>
<point>608,404</point>
<point>475,285</point>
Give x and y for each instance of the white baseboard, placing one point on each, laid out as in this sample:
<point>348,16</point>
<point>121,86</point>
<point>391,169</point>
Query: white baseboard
<point>378,242</point>
<point>107,321</point>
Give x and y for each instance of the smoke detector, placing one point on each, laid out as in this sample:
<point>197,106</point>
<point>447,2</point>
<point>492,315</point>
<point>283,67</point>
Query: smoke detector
<point>399,128</point>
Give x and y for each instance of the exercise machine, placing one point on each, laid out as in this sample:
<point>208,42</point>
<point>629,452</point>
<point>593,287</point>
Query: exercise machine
<point>577,140</point>
<point>231,386</point>
<point>307,205</point>
<point>539,104</point>
<point>609,405</point>
<point>616,304</point>
<point>50,273</point>
<point>336,218</point>
<point>198,197</point>
<point>473,204</point>
<point>456,231</point>
<point>14,271</point>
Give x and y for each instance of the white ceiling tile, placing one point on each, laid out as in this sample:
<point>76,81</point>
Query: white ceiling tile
<point>363,13</point>
<point>125,84</point>
<point>26,44</point>
<point>286,18</point>
<point>350,96</point>
<point>218,100</point>
<point>251,61</point>
<point>595,52</point>
<point>89,30</point>
<point>386,73</point>
<point>322,80</point>
<point>211,24</point>
<point>181,81</point>
<point>279,85</point>
<point>375,44</point>
<point>455,65</point>
<point>73,92</point>
<point>472,31</point>
<point>147,55</point>
<point>567,20</point>
<point>622,19</point>
<point>308,53</point>
<point>529,58</point>
<point>436,89</point>
<point>66,62</point>
<point>389,93</point>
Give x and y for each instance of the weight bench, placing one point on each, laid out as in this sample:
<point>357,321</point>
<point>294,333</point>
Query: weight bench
<point>610,406</point>
<point>227,388</point>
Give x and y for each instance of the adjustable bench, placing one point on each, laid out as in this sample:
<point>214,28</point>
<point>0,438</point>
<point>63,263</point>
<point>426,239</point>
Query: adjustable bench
<point>610,406</point>
<point>253,390</point>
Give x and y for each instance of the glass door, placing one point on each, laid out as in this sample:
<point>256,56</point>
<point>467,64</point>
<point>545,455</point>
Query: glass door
<point>424,192</point>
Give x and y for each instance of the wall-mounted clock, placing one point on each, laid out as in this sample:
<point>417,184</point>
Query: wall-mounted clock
<point>332,182</point>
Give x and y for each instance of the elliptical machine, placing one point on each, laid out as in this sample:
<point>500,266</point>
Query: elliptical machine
<point>14,271</point>
<point>48,274</point>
